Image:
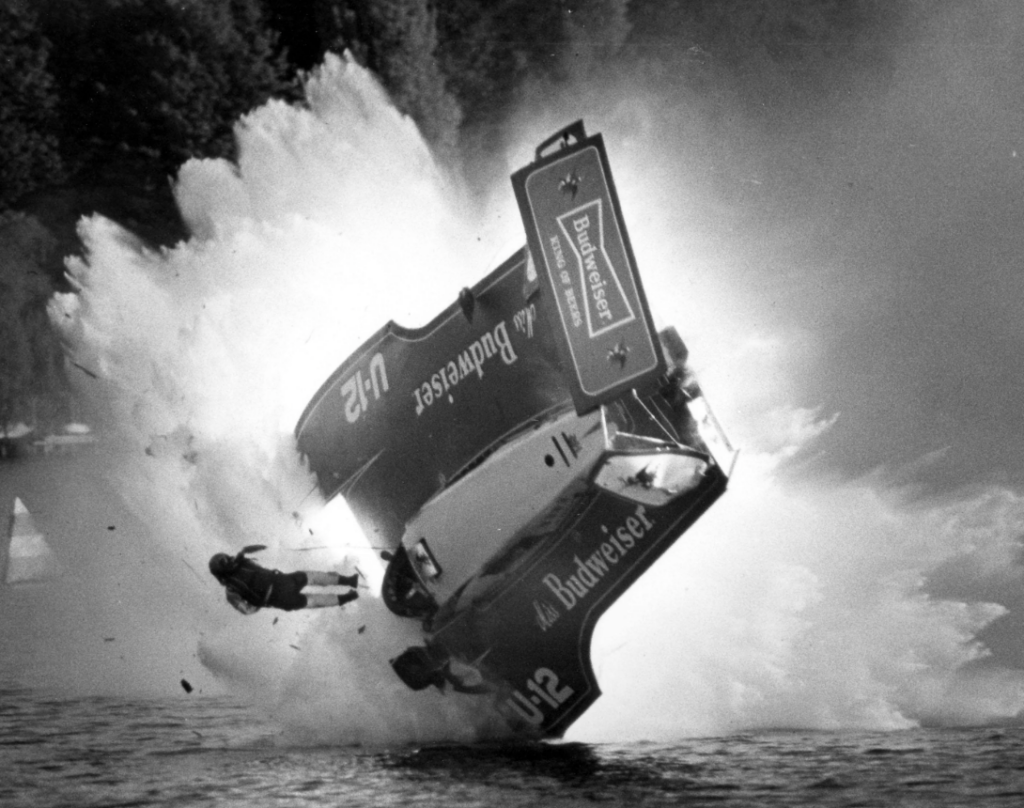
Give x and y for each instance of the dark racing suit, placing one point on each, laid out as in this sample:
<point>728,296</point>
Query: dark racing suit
<point>251,587</point>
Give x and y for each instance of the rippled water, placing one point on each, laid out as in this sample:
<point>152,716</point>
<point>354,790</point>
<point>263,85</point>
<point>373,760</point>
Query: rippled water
<point>214,751</point>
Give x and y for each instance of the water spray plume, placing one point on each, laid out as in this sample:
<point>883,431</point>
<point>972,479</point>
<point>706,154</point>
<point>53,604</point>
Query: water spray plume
<point>789,605</point>
<point>335,219</point>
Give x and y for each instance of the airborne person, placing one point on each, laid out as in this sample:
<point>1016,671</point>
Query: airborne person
<point>251,587</point>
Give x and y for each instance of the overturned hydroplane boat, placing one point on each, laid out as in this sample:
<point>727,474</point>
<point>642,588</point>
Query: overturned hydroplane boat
<point>527,455</point>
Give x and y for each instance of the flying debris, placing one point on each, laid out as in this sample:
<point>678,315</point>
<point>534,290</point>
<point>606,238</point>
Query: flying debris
<point>527,455</point>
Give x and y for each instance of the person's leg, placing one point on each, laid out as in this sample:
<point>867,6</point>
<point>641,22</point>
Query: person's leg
<point>319,601</point>
<point>286,592</point>
<point>331,579</point>
<point>323,578</point>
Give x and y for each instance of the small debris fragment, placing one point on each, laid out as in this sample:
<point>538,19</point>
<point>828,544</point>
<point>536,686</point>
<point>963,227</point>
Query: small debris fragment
<point>111,527</point>
<point>295,647</point>
<point>362,629</point>
<point>186,686</point>
<point>275,621</point>
<point>467,302</point>
<point>109,639</point>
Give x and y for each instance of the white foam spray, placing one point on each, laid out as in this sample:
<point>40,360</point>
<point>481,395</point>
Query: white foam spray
<point>807,607</point>
<point>786,606</point>
<point>203,356</point>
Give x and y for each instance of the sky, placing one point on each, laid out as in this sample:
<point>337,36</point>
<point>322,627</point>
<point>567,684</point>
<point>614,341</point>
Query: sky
<point>849,285</point>
<point>875,239</point>
<point>904,260</point>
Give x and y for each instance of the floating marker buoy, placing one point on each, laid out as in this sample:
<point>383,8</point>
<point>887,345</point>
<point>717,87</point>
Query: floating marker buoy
<point>29,557</point>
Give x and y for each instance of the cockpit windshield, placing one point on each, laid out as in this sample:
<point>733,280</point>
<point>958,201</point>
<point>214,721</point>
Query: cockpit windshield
<point>651,478</point>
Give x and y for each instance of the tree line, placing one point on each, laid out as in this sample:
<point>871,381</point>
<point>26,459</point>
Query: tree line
<point>102,100</point>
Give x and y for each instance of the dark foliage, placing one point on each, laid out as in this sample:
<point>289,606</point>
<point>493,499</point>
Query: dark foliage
<point>29,155</point>
<point>399,41</point>
<point>158,80</point>
<point>31,378</point>
<point>396,39</point>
